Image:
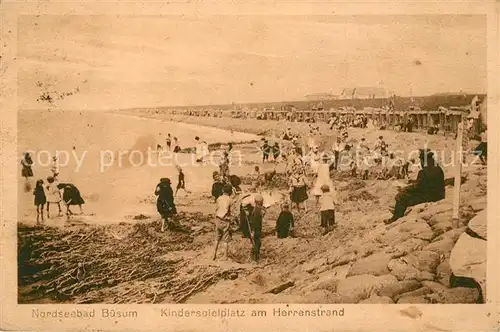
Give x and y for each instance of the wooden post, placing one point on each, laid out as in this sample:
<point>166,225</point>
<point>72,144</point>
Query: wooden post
<point>458,175</point>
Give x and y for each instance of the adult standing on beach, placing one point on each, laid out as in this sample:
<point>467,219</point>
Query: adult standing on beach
<point>198,150</point>
<point>26,170</point>
<point>168,142</point>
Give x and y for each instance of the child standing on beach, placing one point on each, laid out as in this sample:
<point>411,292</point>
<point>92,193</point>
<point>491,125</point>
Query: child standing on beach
<point>181,183</point>
<point>40,199</point>
<point>285,222</point>
<point>53,195</point>
<point>328,200</point>
<point>298,189</point>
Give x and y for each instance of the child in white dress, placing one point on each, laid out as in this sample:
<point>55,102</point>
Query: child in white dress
<point>53,195</point>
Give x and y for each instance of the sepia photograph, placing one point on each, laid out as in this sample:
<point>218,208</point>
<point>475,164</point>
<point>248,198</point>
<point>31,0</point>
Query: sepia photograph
<point>252,159</point>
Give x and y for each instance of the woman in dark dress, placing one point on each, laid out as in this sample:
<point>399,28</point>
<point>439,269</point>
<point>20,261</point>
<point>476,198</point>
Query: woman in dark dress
<point>298,189</point>
<point>71,196</point>
<point>165,202</point>
<point>26,170</point>
<point>40,199</point>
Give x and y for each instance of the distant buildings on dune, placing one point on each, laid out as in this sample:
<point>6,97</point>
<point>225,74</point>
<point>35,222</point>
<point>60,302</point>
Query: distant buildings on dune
<point>352,93</point>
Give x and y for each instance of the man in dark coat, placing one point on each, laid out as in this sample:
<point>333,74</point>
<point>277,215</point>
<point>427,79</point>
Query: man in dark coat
<point>165,203</point>
<point>429,187</point>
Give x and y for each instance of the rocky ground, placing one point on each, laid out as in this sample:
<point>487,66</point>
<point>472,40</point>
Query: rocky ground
<point>361,261</point>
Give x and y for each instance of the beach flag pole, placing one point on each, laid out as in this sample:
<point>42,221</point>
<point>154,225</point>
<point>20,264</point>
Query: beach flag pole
<point>458,175</point>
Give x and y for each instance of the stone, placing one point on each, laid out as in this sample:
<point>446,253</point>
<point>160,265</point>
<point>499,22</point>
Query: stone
<point>478,204</point>
<point>374,299</point>
<point>424,275</point>
<point>435,208</point>
<point>413,300</point>
<point>360,287</point>
<point>440,217</point>
<point>422,231</point>
<point>321,296</point>
<point>312,266</point>
<point>375,264</point>
<point>417,292</point>
<point>456,295</point>
<point>442,227</point>
<point>453,234</point>
<point>399,288</point>
<point>402,270</point>
<point>409,246</point>
<point>441,247</point>
<point>326,282</point>
<point>445,281</point>
<point>468,259</point>
<point>478,224</point>
<point>444,270</point>
<point>411,228</point>
<point>423,260</point>
<point>434,286</point>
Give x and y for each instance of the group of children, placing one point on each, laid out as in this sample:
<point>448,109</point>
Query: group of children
<point>53,193</point>
<point>169,141</point>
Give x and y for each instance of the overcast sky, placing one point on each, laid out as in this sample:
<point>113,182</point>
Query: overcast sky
<point>118,62</point>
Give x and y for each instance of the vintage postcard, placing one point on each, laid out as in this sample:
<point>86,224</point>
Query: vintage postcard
<point>231,166</point>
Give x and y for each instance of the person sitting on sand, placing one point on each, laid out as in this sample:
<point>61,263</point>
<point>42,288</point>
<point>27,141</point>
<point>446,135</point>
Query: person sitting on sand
<point>40,199</point>
<point>71,196</point>
<point>53,195</point>
<point>429,187</point>
<point>165,202</point>
<point>285,222</point>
